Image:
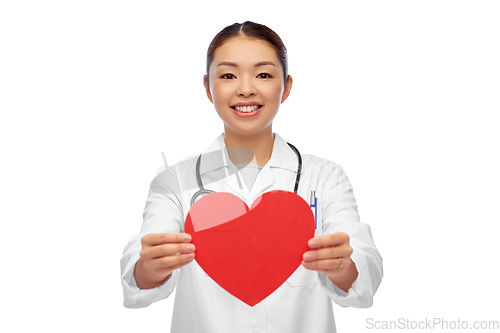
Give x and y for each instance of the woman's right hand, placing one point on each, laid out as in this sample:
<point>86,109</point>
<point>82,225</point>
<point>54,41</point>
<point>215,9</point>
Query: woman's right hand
<point>161,254</point>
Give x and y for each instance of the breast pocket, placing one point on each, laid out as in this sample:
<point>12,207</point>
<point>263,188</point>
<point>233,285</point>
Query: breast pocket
<point>303,277</point>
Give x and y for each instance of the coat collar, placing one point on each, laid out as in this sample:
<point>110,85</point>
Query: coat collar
<point>216,156</point>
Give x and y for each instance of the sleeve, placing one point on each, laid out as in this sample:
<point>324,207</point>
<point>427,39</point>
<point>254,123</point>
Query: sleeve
<point>163,213</point>
<point>340,215</point>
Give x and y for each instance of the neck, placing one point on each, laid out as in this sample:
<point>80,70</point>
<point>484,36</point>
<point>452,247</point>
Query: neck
<point>261,145</point>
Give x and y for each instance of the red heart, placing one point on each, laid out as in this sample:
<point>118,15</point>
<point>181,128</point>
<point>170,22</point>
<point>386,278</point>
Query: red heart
<point>250,252</point>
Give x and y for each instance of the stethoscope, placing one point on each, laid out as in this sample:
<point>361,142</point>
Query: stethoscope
<point>204,191</point>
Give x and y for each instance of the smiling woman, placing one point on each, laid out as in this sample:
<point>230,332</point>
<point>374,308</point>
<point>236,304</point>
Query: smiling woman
<point>247,88</point>
<point>247,80</point>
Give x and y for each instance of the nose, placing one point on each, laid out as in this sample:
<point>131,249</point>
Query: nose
<point>246,87</point>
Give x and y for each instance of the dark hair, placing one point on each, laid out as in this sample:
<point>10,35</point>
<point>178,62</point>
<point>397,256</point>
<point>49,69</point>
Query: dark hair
<point>252,30</point>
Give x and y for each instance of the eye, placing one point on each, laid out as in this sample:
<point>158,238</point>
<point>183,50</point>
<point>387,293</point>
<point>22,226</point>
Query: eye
<point>227,76</point>
<point>264,76</point>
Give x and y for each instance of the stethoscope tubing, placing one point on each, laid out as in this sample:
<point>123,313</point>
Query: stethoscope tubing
<point>299,167</point>
<point>203,191</point>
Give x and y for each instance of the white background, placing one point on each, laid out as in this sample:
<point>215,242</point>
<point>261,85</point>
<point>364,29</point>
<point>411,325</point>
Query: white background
<point>403,94</point>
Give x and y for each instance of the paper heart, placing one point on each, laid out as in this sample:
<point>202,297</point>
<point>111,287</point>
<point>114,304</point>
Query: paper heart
<point>250,252</point>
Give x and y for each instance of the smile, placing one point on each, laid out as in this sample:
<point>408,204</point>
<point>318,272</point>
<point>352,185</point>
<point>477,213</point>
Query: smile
<point>246,108</point>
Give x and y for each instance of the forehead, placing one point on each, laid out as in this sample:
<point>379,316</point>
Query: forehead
<point>243,50</point>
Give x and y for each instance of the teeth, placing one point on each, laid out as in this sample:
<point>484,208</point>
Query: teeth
<point>246,108</point>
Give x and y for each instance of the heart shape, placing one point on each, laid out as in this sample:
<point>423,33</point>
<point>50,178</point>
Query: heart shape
<point>250,252</point>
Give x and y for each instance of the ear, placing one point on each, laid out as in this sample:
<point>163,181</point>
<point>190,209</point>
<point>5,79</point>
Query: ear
<point>207,89</point>
<point>288,88</point>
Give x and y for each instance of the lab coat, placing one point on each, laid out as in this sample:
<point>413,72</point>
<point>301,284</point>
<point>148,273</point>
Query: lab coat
<point>304,302</point>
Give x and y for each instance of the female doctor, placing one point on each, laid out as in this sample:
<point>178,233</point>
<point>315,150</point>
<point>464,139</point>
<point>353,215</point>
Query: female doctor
<point>247,80</point>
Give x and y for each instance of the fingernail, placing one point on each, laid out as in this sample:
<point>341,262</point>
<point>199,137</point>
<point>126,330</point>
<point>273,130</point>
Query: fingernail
<point>312,243</point>
<point>307,257</point>
<point>187,237</point>
<point>190,248</point>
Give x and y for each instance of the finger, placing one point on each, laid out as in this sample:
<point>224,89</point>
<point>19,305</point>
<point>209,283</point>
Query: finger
<point>328,240</point>
<point>323,253</point>
<point>167,271</point>
<point>188,260</point>
<point>328,253</point>
<point>327,264</point>
<point>171,262</point>
<point>164,238</point>
<point>163,250</point>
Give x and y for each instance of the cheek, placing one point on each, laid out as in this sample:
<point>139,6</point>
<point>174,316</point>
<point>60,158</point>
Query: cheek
<point>220,94</point>
<point>274,93</point>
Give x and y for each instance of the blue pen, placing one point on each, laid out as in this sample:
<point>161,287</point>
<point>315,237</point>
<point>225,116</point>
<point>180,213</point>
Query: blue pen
<point>314,204</point>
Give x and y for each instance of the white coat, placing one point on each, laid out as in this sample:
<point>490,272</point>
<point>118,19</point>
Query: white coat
<point>304,302</point>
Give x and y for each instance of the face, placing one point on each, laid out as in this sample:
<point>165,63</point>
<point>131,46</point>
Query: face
<point>247,86</point>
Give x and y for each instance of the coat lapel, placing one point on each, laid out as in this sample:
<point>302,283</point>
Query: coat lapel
<point>217,171</point>
<point>219,174</point>
<point>264,180</point>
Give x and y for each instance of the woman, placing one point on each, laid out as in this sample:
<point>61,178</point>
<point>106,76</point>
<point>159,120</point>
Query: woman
<point>247,80</point>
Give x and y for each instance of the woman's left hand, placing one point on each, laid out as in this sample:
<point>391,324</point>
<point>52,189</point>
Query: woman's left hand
<point>330,255</point>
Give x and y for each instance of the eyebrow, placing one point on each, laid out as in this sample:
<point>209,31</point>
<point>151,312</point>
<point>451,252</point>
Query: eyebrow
<point>232,64</point>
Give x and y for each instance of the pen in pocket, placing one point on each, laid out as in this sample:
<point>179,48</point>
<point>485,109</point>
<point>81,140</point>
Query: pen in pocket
<point>313,202</point>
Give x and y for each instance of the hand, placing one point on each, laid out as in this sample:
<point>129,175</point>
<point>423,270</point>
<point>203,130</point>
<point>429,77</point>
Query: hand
<point>330,255</point>
<point>161,254</point>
